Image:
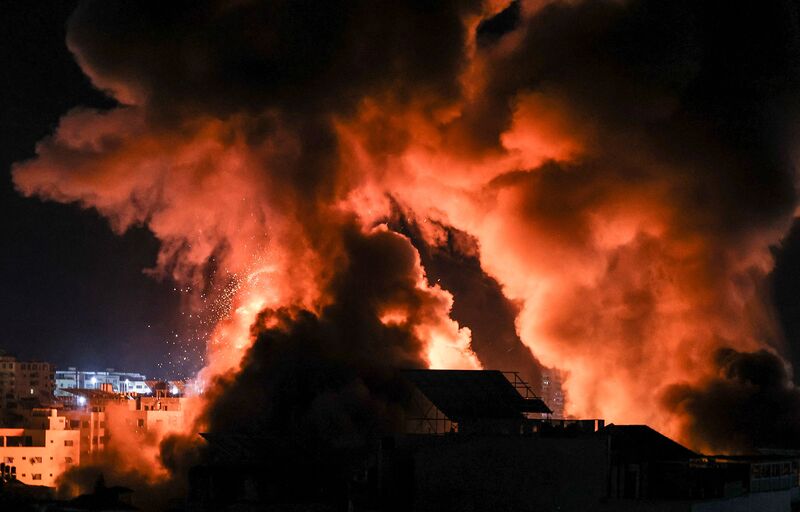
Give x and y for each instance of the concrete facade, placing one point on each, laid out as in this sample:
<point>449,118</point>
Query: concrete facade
<point>24,384</point>
<point>39,454</point>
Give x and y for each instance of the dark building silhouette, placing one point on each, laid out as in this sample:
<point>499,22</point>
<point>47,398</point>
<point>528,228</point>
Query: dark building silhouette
<point>481,440</point>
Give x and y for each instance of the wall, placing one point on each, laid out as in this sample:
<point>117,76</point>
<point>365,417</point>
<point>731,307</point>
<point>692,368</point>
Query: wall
<point>520,473</point>
<point>51,453</point>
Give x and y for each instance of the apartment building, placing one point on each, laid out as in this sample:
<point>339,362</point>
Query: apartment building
<point>38,453</point>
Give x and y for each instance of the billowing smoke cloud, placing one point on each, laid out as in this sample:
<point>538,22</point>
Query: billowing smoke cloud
<point>620,170</point>
<point>453,262</point>
<point>751,403</point>
<point>335,373</point>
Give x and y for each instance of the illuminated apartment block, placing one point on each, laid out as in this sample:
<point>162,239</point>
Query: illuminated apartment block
<point>40,452</point>
<point>119,382</point>
<point>156,413</point>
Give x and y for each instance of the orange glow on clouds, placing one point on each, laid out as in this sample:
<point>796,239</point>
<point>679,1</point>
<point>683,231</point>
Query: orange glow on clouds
<point>618,286</point>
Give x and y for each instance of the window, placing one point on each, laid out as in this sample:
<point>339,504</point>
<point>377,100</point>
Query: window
<point>37,459</point>
<point>140,423</point>
<point>10,460</point>
<point>68,460</point>
<point>36,476</point>
<point>24,458</point>
<point>68,442</point>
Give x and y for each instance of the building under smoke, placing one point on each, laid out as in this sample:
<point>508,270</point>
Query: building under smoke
<point>479,440</point>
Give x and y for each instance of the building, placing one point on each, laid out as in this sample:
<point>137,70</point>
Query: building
<point>552,392</point>
<point>90,422</point>
<point>92,409</point>
<point>480,440</point>
<point>167,387</point>
<point>24,385</point>
<point>120,382</point>
<point>38,453</point>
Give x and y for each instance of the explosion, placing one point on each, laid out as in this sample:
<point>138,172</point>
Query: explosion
<point>610,176</point>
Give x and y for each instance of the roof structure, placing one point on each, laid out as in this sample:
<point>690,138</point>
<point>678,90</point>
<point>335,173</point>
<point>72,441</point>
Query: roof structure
<point>642,443</point>
<point>92,394</point>
<point>471,394</point>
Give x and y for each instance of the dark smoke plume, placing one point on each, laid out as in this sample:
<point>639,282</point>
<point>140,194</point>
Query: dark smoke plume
<point>752,403</point>
<point>478,300</point>
<point>609,176</point>
<point>333,374</point>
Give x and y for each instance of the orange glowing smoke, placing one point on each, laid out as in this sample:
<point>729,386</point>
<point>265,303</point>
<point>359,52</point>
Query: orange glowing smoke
<point>614,243</point>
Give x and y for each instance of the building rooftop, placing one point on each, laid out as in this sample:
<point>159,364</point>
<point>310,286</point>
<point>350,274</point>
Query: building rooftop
<point>469,394</point>
<point>642,443</point>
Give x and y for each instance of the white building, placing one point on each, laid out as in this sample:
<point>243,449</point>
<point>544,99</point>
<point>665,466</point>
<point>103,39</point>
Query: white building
<point>39,453</point>
<point>120,382</point>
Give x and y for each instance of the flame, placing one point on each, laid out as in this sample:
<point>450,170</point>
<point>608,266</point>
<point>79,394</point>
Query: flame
<point>625,281</point>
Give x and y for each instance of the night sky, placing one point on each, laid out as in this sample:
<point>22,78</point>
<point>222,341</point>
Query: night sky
<point>73,292</point>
